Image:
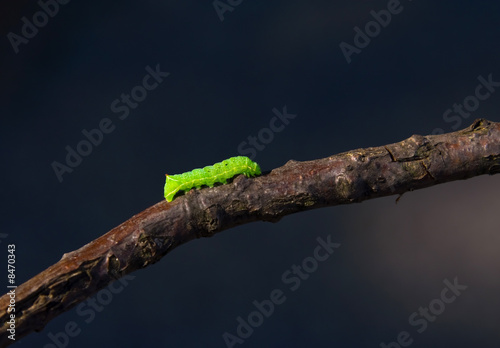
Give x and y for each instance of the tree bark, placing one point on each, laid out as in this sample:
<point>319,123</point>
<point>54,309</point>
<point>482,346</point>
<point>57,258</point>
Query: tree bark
<point>349,177</point>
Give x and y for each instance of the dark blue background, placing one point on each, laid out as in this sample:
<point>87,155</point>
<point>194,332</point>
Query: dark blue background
<point>225,79</point>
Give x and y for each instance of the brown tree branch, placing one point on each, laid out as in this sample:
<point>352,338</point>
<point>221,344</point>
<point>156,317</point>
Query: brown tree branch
<point>349,177</point>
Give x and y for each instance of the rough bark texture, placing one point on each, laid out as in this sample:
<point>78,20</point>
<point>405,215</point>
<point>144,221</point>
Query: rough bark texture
<point>353,176</point>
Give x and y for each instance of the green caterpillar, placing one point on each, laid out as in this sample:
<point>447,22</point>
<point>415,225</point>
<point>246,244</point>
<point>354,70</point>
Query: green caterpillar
<point>208,176</point>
